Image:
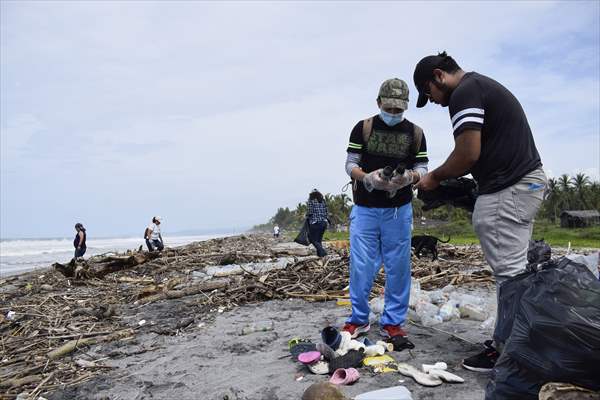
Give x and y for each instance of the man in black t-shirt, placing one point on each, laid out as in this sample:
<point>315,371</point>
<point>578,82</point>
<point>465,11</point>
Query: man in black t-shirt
<point>381,218</point>
<point>493,142</point>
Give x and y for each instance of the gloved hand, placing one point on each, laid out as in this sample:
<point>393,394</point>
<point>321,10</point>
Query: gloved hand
<point>399,181</point>
<point>373,180</point>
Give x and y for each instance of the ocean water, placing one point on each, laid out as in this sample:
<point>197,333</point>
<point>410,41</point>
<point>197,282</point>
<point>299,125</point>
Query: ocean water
<point>23,255</point>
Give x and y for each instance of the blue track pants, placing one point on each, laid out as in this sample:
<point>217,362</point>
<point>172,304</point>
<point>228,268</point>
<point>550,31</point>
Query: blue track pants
<point>380,235</point>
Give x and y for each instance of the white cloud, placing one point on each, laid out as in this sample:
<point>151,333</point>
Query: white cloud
<point>218,113</point>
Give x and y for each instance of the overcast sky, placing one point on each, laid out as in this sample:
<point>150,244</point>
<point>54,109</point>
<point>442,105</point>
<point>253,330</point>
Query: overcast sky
<point>212,115</point>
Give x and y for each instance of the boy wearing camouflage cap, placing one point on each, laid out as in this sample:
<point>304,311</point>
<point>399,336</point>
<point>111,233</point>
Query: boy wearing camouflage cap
<point>381,219</point>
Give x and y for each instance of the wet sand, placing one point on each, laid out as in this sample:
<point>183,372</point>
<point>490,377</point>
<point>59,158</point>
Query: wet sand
<point>211,360</point>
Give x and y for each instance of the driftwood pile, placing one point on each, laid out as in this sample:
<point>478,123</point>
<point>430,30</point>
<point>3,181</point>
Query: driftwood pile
<point>50,321</point>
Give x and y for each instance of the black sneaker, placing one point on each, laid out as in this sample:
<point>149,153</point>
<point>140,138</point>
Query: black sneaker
<point>484,361</point>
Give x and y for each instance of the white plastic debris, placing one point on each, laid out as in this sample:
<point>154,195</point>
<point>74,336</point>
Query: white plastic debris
<point>142,322</point>
<point>11,315</point>
<point>438,365</point>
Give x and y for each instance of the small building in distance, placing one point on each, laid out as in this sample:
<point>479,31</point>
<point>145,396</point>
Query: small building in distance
<point>579,218</point>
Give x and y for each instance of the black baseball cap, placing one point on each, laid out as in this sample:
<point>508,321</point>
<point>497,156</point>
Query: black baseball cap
<point>423,73</point>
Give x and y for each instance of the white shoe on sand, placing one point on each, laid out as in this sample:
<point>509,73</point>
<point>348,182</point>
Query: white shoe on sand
<point>420,377</point>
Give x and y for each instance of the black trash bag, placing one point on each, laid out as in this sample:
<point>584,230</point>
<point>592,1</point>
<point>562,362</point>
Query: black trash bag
<point>538,252</point>
<point>459,192</point>
<point>303,236</point>
<point>511,381</point>
<point>555,333</point>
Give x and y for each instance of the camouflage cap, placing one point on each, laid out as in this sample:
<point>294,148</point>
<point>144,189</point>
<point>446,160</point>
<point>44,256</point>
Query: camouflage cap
<point>394,93</point>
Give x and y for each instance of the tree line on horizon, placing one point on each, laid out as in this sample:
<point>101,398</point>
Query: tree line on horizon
<point>566,192</point>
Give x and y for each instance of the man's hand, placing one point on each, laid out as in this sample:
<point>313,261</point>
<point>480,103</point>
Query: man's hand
<point>399,181</point>
<point>428,182</point>
<point>373,180</point>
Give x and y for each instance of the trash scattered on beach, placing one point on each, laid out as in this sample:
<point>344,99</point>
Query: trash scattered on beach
<point>97,304</point>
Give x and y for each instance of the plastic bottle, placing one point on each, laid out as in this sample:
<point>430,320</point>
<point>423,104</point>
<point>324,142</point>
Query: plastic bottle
<point>260,326</point>
<point>436,296</point>
<point>472,312</point>
<point>377,304</point>
<point>429,320</point>
<point>449,311</point>
<point>488,323</point>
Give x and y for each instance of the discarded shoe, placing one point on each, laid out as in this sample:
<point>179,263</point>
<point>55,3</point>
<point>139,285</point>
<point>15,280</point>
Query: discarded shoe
<point>356,329</point>
<point>420,377</point>
<point>344,376</point>
<point>300,348</point>
<point>326,351</point>
<point>445,376</point>
<point>331,337</point>
<point>319,368</point>
<point>400,343</point>
<point>438,365</point>
<point>349,360</point>
<point>309,357</point>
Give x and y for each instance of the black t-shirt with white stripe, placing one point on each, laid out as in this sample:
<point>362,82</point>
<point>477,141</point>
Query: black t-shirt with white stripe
<point>508,150</point>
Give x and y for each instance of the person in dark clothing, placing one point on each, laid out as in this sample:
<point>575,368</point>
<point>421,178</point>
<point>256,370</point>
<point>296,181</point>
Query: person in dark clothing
<point>317,220</point>
<point>79,241</point>
<point>494,143</point>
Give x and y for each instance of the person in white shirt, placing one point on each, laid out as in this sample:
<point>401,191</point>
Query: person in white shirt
<point>153,236</point>
<point>276,231</point>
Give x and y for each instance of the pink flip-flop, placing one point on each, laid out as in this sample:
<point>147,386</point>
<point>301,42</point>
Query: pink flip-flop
<point>309,357</point>
<point>343,376</point>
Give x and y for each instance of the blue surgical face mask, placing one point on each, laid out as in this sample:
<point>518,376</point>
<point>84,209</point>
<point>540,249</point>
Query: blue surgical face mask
<point>391,119</point>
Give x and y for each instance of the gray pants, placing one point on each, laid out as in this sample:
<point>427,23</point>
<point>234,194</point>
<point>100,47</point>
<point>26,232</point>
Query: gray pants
<point>503,222</point>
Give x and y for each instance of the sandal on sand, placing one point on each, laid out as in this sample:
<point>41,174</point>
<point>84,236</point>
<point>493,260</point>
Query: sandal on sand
<point>302,348</point>
<point>344,376</point>
<point>445,376</point>
<point>420,377</point>
<point>351,359</point>
<point>309,357</point>
<point>319,368</point>
<point>326,351</point>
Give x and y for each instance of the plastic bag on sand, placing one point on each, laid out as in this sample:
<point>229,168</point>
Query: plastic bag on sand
<point>555,336</point>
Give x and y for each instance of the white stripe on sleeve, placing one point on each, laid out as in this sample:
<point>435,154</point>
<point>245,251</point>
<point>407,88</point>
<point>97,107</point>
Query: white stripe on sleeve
<point>468,119</point>
<point>479,111</point>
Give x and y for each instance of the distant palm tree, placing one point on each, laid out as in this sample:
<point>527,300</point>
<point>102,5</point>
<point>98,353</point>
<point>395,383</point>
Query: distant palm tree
<point>580,184</point>
<point>564,183</point>
<point>553,199</point>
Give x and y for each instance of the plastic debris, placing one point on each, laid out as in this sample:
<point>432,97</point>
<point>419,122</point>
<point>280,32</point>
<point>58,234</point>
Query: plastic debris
<point>261,326</point>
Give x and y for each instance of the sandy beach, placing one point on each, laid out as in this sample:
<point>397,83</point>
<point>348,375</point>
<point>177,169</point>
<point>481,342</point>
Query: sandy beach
<point>170,326</point>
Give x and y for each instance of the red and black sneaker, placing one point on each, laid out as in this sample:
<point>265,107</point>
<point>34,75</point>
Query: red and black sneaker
<point>355,329</point>
<point>390,331</point>
<point>484,361</point>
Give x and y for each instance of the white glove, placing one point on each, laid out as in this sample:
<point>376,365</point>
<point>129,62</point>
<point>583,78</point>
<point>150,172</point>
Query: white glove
<point>373,180</point>
<point>399,181</point>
